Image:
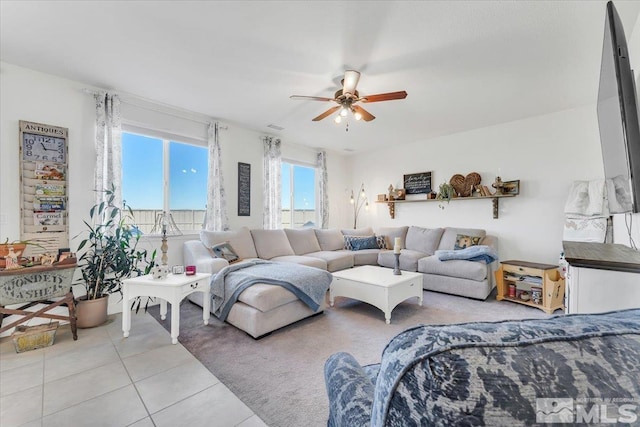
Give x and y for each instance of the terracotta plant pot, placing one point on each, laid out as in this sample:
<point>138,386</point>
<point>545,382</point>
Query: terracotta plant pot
<point>91,313</point>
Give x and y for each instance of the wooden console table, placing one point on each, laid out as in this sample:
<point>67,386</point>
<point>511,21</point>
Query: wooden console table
<point>37,285</point>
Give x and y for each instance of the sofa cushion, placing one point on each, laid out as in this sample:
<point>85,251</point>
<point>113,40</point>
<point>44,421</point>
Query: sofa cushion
<point>450,234</point>
<point>266,297</point>
<point>330,239</point>
<point>472,270</point>
<point>335,260</point>
<point>302,259</point>
<point>391,233</point>
<point>271,243</point>
<point>302,241</point>
<point>366,231</point>
<point>423,239</point>
<point>408,259</point>
<point>240,239</point>
<point>365,257</point>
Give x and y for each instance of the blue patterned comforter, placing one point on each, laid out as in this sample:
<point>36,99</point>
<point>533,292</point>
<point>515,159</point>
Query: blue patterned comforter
<point>489,373</point>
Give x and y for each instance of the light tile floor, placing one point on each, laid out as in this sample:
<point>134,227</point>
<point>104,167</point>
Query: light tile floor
<point>103,379</point>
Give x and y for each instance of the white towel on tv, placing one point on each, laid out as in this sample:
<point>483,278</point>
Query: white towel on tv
<point>587,198</point>
<point>619,195</point>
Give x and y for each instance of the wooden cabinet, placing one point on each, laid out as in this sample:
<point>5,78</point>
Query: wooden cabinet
<point>601,277</point>
<point>523,276</point>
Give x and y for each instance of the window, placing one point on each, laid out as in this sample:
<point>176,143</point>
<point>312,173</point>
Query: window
<point>298,195</point>
<point>161,174</point>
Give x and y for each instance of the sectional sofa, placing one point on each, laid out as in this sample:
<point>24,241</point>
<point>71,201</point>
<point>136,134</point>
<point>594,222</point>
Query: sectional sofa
<point>263,308</point>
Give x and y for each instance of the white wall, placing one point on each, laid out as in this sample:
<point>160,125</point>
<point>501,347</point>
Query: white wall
<point>546,153</point>
<point>38,97</point>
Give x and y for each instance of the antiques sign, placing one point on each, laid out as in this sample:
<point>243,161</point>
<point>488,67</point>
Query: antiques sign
<point>26,286</point>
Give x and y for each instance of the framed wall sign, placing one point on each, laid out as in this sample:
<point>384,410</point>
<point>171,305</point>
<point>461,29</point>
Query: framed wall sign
<point>43,143</point>
<point>244,189</point>
<point>417,183</point>
<point>44,171</point>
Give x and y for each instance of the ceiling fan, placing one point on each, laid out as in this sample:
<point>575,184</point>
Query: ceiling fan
<point>348,96</point>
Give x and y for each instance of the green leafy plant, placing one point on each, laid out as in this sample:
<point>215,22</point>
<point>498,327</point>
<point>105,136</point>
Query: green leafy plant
<point>110,253</point>
<point>445,193</point>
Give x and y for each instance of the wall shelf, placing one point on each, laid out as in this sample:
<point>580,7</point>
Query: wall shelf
<point>392,204</point>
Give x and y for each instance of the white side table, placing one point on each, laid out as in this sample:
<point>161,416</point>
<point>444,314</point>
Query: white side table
<point>173,289</point>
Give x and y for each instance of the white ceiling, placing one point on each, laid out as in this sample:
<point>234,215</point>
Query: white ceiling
<point>464,64</point>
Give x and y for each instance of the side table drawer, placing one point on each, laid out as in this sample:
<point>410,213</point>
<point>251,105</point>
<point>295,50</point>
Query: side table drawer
<point>190,288</point>
<point>518,269</point>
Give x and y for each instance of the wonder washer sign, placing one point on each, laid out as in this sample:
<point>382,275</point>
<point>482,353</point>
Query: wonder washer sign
<point>34,286</point>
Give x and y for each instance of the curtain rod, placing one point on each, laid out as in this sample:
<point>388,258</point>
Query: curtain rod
<point>131,100</point>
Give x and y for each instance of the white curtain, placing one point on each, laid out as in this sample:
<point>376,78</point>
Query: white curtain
<point>108,147</point>
<point>216,218</point>
<point>323,195</point>
<point>272,171</point>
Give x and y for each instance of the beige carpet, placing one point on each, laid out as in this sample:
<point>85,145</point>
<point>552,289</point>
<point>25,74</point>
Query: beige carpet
<point>280,377</point>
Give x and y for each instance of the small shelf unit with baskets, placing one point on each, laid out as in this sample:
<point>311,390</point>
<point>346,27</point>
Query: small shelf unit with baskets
<point>514,277</point>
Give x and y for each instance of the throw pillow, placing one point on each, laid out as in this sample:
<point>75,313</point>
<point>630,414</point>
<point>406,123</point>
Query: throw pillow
<point>364,243</point>
<point>382,242</point>
<point>463,241</point>
<point>225,251</point>
<point>348,239</point>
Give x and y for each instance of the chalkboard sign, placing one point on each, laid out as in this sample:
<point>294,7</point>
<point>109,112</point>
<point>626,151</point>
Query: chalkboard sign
<point>244,189</point>
<point>418,183</point>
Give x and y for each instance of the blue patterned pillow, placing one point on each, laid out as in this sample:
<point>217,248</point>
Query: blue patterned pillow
<point>364,243</point>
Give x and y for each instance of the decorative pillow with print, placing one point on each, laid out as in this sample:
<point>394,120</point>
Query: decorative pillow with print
<point>369,242</point>
<point>225,251</point>
<point>348,239</point>
<point>382,242</point>
<point>463,241</point>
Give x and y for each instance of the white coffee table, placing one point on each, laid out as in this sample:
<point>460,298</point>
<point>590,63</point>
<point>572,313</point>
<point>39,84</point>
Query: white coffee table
<point>172,288</point>
<point>377,286</point>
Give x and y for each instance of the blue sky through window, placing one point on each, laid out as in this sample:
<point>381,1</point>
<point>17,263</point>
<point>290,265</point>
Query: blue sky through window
<point>304,196</point>
<point>142,173</point>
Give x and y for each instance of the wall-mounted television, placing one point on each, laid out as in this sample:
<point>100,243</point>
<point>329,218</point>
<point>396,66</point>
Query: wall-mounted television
<point>618,118</point>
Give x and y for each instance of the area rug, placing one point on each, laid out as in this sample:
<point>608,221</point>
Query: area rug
<point>281,378</point>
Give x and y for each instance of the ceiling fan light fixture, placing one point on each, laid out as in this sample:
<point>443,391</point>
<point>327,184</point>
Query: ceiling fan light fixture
<point>357,115</point>
<point>338,119</point>
<point>343,112</point>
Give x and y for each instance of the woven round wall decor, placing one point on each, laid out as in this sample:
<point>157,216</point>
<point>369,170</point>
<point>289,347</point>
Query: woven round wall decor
<point>457,181</point>
<point>470,182</point>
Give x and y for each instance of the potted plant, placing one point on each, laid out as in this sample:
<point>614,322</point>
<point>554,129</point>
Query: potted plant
<point>445,193</point>
<point>107,256</point>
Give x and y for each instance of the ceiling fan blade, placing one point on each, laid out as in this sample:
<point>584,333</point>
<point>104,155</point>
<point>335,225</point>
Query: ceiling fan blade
<point>384,96</point>
<point>366,116</point>
<point>351,78</point>
<point>312,98</point>
<point>327,113</point>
